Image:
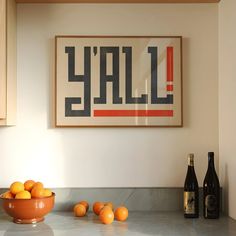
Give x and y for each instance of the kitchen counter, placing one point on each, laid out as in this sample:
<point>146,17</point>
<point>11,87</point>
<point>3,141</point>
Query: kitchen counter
<point>138,224</point>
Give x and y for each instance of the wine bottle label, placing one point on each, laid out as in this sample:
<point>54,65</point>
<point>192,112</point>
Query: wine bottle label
<point>189,202</point>
<point>210,205</point>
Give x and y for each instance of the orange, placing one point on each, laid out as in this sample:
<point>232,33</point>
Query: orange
<point>29,185</point>
<point>79,210</point>
<point>47,192</point>
<point>23,195</point>
<point>85,203</point>
<point>106,215</point>
<point>8,194</point>
<point>16,187</point>
<point>109,204</point>
<point>121,213</point>
<point>97,207</point>
<point>38,184</point>
<point>37,192</point>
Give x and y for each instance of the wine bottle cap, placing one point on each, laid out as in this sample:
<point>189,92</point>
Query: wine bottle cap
<point>191,155</point>
<point>211,154</point>
<point>211,158</point>
<point>191,159</point>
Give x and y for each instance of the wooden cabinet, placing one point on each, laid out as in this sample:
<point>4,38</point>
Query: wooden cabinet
<point>117,1</point>
<point>7,62</point>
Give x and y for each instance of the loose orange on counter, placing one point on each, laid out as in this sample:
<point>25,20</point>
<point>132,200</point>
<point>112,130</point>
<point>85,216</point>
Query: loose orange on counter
<point>106,215</point>
<point>23,195</point>
<point>109,204</point>
<point>97,207</point>
<point>29,185</point>
<point>85,203</point>
<point>16,187</point>
<point>79,210</point>
<point>121,213</point>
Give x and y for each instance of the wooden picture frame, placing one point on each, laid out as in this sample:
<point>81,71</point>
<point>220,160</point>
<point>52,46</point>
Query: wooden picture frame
<point>118,81</point>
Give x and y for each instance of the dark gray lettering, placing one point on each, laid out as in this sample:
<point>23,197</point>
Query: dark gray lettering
<point>104,78</point>
<point>86,78</point>
<point>154,80</point>
<point>128,80</point>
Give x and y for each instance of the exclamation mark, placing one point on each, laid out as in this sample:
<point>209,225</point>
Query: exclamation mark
<point>170,69</point>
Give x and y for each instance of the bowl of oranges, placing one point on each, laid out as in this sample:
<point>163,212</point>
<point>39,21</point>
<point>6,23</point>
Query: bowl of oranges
<point>27,202</point>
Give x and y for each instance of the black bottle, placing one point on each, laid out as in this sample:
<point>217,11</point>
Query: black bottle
<point>211,191</point>
<point>191,208</point>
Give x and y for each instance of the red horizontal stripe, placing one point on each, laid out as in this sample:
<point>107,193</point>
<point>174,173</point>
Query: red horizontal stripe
<point>169,87</point>
<point>114,113</point>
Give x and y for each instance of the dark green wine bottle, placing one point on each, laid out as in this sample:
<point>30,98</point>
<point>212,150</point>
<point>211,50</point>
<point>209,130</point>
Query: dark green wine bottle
<point>191,194</point>
<point>211,191</point>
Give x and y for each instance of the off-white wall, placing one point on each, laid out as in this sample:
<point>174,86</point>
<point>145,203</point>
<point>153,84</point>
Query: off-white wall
<point>111,157</point>
<point>227,98</point>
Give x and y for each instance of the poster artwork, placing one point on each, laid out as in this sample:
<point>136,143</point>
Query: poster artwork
<point>118,81</point>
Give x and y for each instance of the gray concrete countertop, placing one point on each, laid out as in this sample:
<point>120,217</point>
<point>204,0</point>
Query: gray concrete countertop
<point>138,224</point>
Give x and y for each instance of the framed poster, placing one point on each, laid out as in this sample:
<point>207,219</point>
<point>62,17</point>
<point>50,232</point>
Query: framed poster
<point>118,81</point>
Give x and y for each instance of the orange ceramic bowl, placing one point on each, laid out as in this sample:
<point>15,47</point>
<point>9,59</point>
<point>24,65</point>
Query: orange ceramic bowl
<point>28,211</point>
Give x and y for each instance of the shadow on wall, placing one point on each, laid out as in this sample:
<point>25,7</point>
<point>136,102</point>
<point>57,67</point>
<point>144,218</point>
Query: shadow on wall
<point>51,90</point>
<point>225,201</point>
<point>186,68</point>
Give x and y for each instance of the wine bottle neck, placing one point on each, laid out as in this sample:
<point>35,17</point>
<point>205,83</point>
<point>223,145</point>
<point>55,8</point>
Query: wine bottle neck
<point>211,164</point>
